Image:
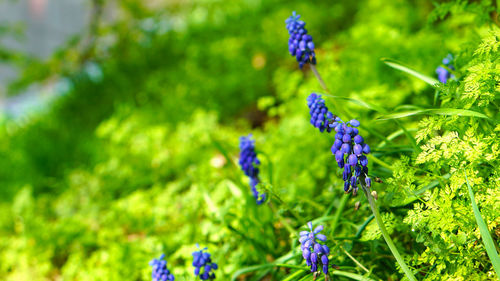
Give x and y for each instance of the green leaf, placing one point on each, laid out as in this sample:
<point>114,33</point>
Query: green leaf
<point>399,66</point>
<point>483,229</point>
<point>351,275</point>
<point>437,111</point>
<point>359,102</point>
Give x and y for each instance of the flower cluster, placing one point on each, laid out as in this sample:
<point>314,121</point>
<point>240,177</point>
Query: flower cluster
<point>443,73</point>
<point>349,150</point>
<point>349,147</point>
<point>320,116</point>
<point>160,270</point>
<point>248,162</point>
<point>202,260</point>
<point>300,43</point>
<point>313,251</point>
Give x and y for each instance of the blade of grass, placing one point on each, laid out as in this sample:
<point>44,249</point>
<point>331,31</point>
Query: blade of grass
<point>483,229</point>
<point>437,111</point>
<point>400,66</point>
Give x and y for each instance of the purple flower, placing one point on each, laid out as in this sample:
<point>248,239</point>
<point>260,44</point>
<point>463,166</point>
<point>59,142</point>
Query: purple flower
<point>300,43</point>
<point>203,264</point>
<point>314,252</point>
<point>160,270</point>
<point>248,162</point>
<point>320,116</point>
<point>352,160</point>
<point>442,72</point>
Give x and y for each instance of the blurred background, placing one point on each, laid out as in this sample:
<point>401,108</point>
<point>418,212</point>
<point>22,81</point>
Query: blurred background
<point>120,121</point>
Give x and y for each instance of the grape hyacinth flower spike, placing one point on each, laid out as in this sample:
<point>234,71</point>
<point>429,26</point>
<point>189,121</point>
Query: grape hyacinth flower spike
<point>320,116</point>
<point>203,264</point>
<point>350,152</point>
<point>160,270</point>
<point>300,43</point>
<point>248,162</point>
<point>314,251</point>
<point>443,73</point>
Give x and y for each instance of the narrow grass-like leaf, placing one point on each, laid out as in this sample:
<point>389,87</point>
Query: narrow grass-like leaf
<point>483,229</point>
<point>359,102</point>
<point>353,276</point>
<point>437,111</point>
<point>399,66</point>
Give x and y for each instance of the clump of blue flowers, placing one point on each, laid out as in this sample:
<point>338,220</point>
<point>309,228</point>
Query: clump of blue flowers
<point>320,116</point>
<point>443,73</point>
<point>248,162</point>
<point>300,43</point>
<point>350,152</point>
<point>349,147</point>
<point>203,264</point>
<point>160,270</point>
<point>314,252</point>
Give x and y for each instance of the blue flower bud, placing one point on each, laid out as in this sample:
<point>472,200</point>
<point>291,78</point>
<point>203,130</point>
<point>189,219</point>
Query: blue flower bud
<point>353,160</point>
<point>202,260</point>
<point>346,185</point>
<point>366,149</point>
<point>358,139</point>
<point>303,50</point>
<point>354,123</point>
<point>358,149</point>
<point>248,162</point>
<point>160,271</point>
<point>313,251</point>
<point>346,138</point>
<point>368,181</point>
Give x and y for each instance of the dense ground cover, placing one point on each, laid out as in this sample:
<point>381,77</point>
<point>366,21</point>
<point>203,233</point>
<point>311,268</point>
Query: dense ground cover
<point>142,158</point>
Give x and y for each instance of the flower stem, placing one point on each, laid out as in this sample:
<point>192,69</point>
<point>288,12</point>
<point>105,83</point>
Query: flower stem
<point>325,88</point>
<point>384,232</point>
<point>320,80</point>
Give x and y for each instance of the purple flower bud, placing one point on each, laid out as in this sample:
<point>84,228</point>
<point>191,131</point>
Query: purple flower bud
<point>318,249</point>
<point>363,160</point>
<point>358,149</point>
<point>345,148</point>
<point>368,181</point>
<point>346,186</point>
<point>354,123</point>
<point>337,143</point>
<point>353,160</point>
<point>366,149</point>
<point>339,155</point>
<point>345,174</point>
<point>314,258</point>
<point>326,250</point>
<point>353,181</point>
<point>321,237</point>
<point>318,229</point>
<point>346,138</point>
<point>299,40</point>
<point>358,139</point>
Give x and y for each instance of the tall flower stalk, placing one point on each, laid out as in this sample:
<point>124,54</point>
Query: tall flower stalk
<point>349,147</point>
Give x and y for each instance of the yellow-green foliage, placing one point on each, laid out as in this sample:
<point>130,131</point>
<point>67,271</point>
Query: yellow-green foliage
<point>451,147</point>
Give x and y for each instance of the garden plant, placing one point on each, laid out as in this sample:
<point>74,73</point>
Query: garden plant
<point>186,136</point>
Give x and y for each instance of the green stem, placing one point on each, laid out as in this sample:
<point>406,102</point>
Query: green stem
<point>355,260</point>
<point>338,212</point>
<point>336,108</point>
<point>384,232</point>
<point>320,80</point>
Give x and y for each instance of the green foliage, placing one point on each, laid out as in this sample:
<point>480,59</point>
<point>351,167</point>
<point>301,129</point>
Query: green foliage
<point>141,158</point>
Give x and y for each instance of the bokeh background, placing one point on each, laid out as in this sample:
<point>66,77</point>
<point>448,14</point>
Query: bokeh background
<point>120,122</point>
